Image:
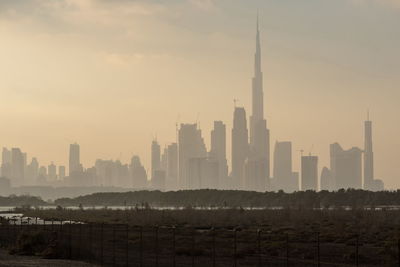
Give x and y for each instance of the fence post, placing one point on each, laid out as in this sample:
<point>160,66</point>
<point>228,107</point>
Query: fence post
<point>398,251</point>
<point>15,232</point>
<point>287,250</point>
<point>173,246</point>
<point>61,239</point>
<point>213,246</point>
<point>234,247</point>
<point>357,250</point>
<point>29,224</point>
<point>113,243</point>
<point>70,240</point>
<point>127,246</point>
<point>101,243</point>
<point>259,247</point>
<point>156,246</point>
<point>90,238</point>
<point>80,240</point>
<point>318,251</point>
<point>141,246</point>
<point>193,246</point>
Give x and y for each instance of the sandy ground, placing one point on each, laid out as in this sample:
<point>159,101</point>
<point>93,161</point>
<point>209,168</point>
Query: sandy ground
<point>25,261</point>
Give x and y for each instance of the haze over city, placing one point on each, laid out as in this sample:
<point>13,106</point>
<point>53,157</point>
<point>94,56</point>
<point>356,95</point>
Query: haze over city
<point>114,75</point>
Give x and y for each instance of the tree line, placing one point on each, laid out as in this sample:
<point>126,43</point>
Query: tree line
<point>232,198</point>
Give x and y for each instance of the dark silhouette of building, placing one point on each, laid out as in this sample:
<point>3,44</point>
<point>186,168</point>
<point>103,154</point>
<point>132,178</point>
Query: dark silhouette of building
<point>31,172</point>
<point>326,180</point>
<point>6,163</point>
<point>42,176</point>
<point>309,173</point>
<point>158,180</point>
<point>52,172</point>
<point>368,156</point>
<point>5,186</point>
<point>283,177</point>
<point>240,147</point>
<point>346,167</point>
<point>61,172</point>
<point>138,173</point>
<point>190,145</point>
<point>202,173</point>
<point>218,150</point>
<point>155,157</point>
<point>74,159</point>
<point>259,134</point>
<point>17,167</point>
<point>254,179</point>
<point>370,183</point>
<point>172,167</point>
<point>111,173</point>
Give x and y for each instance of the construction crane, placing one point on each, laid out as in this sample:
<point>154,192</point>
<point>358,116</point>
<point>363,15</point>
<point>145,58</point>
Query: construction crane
<point>311,149</point>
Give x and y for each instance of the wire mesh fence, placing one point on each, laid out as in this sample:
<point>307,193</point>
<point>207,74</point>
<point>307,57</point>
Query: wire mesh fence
<point>125,245</point>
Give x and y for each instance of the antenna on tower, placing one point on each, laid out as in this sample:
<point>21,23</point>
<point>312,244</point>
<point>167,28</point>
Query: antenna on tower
<point>257,18</point>
<point>176,128</point>
<point>235,102</point>
<point>301,152</point>
<point>368,114</point>
<point>312,146</point>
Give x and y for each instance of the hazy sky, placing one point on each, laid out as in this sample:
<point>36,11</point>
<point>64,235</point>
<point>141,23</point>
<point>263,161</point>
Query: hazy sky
<point>111,74</point>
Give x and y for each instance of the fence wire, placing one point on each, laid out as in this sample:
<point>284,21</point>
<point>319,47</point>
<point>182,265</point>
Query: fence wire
<point>125,245</point>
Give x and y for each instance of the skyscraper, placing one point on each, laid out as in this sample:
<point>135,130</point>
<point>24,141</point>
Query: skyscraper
<point>155,157</point>
<point>6,163</point>
<point>158,180</point>
<point>172,167</point>
<point>61,172</point>
<point>32,172</point>
<point>191,145</point>
<point>282,172</point>
<point>138,173</point>
<point>254,175</point>
<point>17,167</point>
<point>202,173</point>
<point>259,134</point>
<point>240,147</point>
<point>74,159</point>
<point>346,167</point>
<point>309,173</point>
<point>326,179</point>
<point>218,149</point>
<point>52,172</point>
<point>368,157</point>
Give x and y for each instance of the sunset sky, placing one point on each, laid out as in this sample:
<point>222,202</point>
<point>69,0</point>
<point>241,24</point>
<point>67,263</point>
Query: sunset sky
<point>113,74</point>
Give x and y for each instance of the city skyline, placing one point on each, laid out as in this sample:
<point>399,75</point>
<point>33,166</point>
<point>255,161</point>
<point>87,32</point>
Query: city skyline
<point>192,165</point>
<point>168,135</point>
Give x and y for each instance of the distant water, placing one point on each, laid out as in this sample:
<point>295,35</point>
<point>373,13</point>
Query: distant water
<point>11,208</point>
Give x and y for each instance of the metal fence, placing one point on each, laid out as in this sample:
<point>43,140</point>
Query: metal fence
<point>123,245</point>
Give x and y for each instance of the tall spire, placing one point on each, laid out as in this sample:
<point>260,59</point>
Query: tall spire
<point>257,21</point>
<point>257,59</point>
<point>259,133</point>
<point>257,90</point>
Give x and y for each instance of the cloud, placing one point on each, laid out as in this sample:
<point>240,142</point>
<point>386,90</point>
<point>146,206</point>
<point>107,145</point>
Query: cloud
<point>206,5</point>
<point>388,3</point>
<point>88,10</point>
